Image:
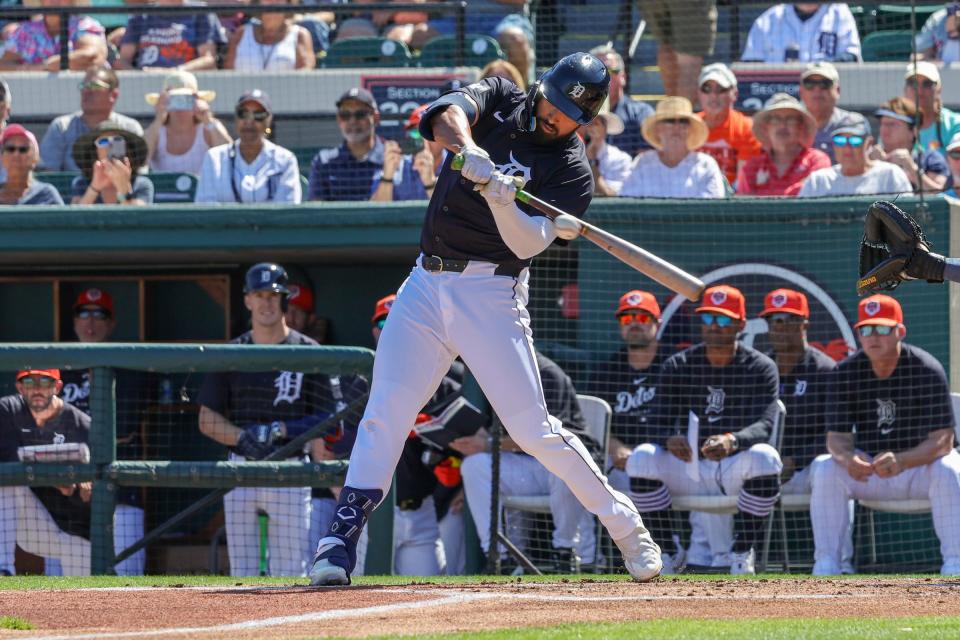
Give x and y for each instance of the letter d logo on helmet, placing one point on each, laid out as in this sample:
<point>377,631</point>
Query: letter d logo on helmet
<point>266,276</point>
<point>577,85</point>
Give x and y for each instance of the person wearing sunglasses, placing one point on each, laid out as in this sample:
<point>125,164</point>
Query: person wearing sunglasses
<point>803,32</point>
<point>52,522</point>
<point>631,112</point>
<point>953,162</point>
<point>925,168</point>
<point>110,160</point>
<point>855,173</point>
<point>890,436</point>
<point>251,168</point>
<point>731,141</point>
<point>99,91</point>
<point>786,131</point>
<point>35,44</point>
<point>19,158</point>
<point>923,85</point>
<point>819,93</point>
<point>732,389</point>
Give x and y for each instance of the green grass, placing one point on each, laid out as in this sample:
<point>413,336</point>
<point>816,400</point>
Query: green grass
<point>18,624</point>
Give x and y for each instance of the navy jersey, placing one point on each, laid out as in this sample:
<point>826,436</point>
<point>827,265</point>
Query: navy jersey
<point>630,393</point>
<point>804,392</point>
<point>247,398</point>
<point>459,223</point>
<point>897,412</point>
<point>135,393</point>
<point>738,398</point>
<point>19,429</point>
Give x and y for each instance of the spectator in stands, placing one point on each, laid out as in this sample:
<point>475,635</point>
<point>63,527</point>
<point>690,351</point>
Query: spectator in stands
<point>405,176</point>
<point>923,86</point>
<point>35,44</point>
<point>785,130</point>
<point>610,165</point>
<point>685,31</point>
<point>674,169</point>
<point>110,160</point>
<point>409,27</point>
<point>250,169</point>
<point>99,92</point>
<point>346,172</point>
<point>855,172</point>
<point>890,436</point>
<point>20,157</point>
<point>819,92</point>
<point>953,160</point>
<point>185,41</point>
<point>731,141</point>
<point>301,315</point>
<point>6,103</point>
<point>898,145</point>
<point>804,32</point>
<point>184,128</point>
<point>939,39</point>
<point>631,112</point>
<point>435,148</point>
<point>274,43</point>
<point>504,69</point>
<point>732,390</point>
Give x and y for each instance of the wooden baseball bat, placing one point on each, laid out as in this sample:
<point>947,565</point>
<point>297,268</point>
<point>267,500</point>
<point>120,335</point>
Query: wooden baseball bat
<point>652,266</point>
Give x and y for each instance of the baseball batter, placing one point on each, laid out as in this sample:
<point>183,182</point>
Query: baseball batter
<point>891,437</point>
<point>467,296</point>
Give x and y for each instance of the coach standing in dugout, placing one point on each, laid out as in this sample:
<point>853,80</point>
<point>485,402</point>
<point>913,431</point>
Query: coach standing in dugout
<point>732,390</point>
<point>896,397</point>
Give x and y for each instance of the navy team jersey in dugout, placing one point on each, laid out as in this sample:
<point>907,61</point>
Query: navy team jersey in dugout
<point>459,223</point>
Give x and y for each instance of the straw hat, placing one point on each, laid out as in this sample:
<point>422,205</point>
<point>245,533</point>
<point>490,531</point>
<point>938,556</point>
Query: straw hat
<point>783,102</point>
<point>181,83</point>
<point>670,109</point>
<point>611,121</point>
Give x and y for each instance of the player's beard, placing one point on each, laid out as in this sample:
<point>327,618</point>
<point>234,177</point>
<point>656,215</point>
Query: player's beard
<point>39,401</point>
<point>541,137</point>
<point>640,340</point>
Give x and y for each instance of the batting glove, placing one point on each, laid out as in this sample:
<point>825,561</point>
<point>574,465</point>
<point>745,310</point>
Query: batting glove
<point>256,442</point>
<point>500,192</point>
<point>477,165</point>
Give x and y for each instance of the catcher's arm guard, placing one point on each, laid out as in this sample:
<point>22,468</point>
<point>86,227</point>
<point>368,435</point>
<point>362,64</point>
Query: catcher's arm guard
<point>894,249</point>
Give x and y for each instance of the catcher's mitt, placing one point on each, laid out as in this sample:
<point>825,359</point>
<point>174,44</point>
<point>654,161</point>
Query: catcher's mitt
<point>894,249</point>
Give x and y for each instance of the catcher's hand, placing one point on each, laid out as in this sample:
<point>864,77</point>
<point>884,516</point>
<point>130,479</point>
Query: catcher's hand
<point>894,249</point>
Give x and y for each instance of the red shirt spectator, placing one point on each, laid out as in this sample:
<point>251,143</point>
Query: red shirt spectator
<point>759,177</point>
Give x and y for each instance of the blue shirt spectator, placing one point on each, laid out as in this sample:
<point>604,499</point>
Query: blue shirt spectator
<point>335,174</point>
<point>940,39</point>
<point>411,176</point>
<point>185,41</point>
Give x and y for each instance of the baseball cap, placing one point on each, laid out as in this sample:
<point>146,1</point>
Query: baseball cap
<point>94,298</point>
<point>821,68</point>
<point>719,73</point>
<point>879,309</point>
<point>300,296</point>
<point>414,120</point>
<point>954,142</point>
<point>898,108</point>
<point>256,95</point>
<point>383,307</point>
<point>725,300</point>
<point>853,128</point>
<point>785,301</point>
<point>360,95</point>
<point>13,130</point>
<point>49,373</point>
<point>637,300</point>
<point>923,68</point>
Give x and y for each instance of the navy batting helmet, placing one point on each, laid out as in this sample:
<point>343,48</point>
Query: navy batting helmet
<point>266,276</point>
<point>577,85</point>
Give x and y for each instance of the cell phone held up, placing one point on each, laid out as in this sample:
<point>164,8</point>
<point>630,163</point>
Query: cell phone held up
<point>180,103</point>
<point>410,146</point>
<point>117,148</point>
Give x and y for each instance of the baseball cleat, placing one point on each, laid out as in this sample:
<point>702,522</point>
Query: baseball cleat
<point>641,555</point>
<point>826,567</point>
<point>329,567</point>
<point>743,564</point>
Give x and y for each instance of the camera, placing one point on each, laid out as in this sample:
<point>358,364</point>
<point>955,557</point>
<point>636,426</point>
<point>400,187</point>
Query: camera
<point>117,148</point>
<point>180,103</point>
<point>410,146</point>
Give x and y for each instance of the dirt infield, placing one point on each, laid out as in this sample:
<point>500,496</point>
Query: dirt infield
<point>298,612</point>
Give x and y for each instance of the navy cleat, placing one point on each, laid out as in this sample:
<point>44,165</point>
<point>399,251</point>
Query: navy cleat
<point>330,566</point>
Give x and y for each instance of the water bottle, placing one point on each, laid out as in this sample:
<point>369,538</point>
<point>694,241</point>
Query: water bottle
<point>166,391</point>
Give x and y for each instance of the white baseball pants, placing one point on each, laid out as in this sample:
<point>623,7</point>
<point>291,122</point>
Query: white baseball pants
<point>288,535</point>
<point>798,484</point>
<point>26,522</point>
<point>832,488</point>
<point>453,536</point>
<point>483,318</point>
<point>417,548</point>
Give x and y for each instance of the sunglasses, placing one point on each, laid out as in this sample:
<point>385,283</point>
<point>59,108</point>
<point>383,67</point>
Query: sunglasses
<point>635,318</point>
<point>246,114</point>
<point>714,89</point>
<point>106,141</point>
<point>793,120</point>
<point>87,314</point>
<point>360,114</point>
<point>680,122</point>
<point>955,154</point>
<point>11,148</point>
<point>379,323</point>
<point>43,382</point>
<point>93,85</point>
<point>784,318</point>
<point>925,83</point>
<point>853,141</point>
<point>869,329</point>
<point>810,83</point>
<point>721,321</point>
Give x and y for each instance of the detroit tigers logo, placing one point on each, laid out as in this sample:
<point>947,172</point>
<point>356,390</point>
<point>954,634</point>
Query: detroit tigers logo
<point>779,300</point>
<point>59,438</point>
<point>94,294</point>
<point>800,388</point>
<point>872,308</point>
<point>264,276</point>
<point>715,400</point>
<point>288,385</point>
<point>886,414</point>
<point>628,401</point>
<point>577,90</point>
<point>634,299</point>
<point>514,168</point>
<point>718,297</point>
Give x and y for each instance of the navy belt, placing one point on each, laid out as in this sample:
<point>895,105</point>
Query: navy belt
<point>436,264</point>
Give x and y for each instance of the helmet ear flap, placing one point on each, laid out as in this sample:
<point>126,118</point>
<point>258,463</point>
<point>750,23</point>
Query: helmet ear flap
<point>531,106</point>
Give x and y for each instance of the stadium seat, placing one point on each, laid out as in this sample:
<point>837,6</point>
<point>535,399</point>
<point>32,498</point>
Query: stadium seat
<point>173,187</point>
<point>478,51</point>
<point>366,52</point>
<point>305,156</point>
<point>61,180</point>
<point>898,16</point>
<point>887,46</point>
<point>110,20</point>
